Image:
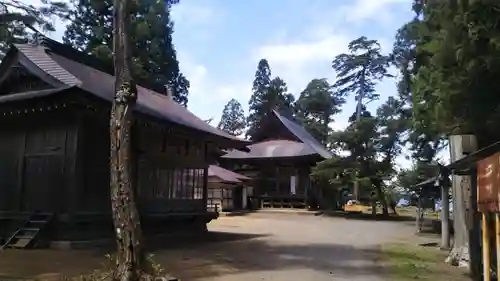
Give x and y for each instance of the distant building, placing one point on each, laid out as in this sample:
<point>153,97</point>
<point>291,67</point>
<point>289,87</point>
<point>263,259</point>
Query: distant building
<point>279,162</point>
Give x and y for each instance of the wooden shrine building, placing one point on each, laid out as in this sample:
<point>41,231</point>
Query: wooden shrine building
<point>54,148</point>
<point>279,161</point>
<point>227,190</point>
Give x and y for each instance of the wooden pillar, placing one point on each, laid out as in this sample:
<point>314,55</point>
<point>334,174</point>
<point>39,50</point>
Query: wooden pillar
<point>75,174</point>
<point>445,217</point>
<point>497,239</point>
<point>486,248</point>
<point>277,180</point>
<point>474,232</point>
<point>20,169</point>
<point>205,178</point>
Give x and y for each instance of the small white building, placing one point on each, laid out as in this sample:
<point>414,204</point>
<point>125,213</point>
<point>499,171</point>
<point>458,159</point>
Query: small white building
<point>227,190</point>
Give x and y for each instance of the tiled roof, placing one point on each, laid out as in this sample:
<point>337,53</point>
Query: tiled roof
<point>308,145</point>
<point>73,73</point>
<point>302,134</point>
<point>272,149</point>
<point>222,175</point>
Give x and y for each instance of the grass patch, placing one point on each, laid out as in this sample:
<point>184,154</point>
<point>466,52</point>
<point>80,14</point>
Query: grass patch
<point>405,262</point>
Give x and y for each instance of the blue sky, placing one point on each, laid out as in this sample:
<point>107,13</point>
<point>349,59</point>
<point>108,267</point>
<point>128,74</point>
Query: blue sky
<point>219,43</point>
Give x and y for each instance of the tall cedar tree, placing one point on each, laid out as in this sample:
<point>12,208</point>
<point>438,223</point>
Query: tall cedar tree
<point>268,94</point>
<point>455,92</point>
<point>17,16</point>
<point>424,135</point>
<point>460,44</point>
<point>316,106</point>
<point>154,57</point>
<point>130,260</point>
<point>233,118</point>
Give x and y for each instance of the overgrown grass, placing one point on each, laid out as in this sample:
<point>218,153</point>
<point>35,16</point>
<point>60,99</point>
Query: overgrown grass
<point>406,262</point>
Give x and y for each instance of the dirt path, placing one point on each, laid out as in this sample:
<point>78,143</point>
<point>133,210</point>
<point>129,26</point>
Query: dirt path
<point>287,247</point>
<point>254,247</point>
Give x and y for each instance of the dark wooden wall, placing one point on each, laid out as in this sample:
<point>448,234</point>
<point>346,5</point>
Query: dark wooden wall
<point>37,162</point>
<point>58,162</point>
<point>169,172</point>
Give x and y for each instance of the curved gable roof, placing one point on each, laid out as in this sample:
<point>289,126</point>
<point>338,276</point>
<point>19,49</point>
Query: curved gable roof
<point>304,136</point>
<point>101,84</point>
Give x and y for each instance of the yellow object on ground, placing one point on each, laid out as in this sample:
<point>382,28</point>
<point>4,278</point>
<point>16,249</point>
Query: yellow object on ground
<point>354,206</point>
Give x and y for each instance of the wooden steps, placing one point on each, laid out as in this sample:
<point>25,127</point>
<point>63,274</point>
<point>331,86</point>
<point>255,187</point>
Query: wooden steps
<point>25,236</point>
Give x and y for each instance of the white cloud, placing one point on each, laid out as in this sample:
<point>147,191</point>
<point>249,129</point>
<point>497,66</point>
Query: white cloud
<point>206,96</point>
<point>301,53</point>
<point>369,9</point>
<point>191,13</point>
<point>298,61</point>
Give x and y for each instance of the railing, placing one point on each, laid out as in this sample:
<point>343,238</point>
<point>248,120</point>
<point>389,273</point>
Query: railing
<point>283,201</point>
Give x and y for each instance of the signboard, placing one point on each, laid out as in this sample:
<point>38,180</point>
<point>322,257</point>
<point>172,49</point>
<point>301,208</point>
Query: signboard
<point>293,180</point>
<point>488,180</point>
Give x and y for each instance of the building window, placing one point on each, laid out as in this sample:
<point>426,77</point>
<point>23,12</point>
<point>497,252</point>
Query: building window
<point>198,183</point>
<point>184,183</point>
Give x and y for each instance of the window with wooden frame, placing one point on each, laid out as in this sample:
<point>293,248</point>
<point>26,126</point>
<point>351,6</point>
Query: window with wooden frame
<point>198,183</point>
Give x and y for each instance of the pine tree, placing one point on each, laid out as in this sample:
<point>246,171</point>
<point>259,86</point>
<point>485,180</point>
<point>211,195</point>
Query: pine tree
<point>359,70</point>
<point>233,118</point>
<point>154,57</point>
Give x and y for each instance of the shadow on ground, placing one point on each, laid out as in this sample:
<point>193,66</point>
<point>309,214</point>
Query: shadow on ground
<point>216,254</point>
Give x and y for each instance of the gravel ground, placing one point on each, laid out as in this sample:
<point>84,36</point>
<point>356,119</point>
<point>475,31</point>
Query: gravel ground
<point>287,247</point>
<point>245,248</point>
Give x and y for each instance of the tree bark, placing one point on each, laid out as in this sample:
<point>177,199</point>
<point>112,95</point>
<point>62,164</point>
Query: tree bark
<point>420,215</point>
<point>383,201</point>
<point>130,256</point>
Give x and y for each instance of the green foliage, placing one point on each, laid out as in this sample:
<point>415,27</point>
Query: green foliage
<point>233,118</point>
<point>268,94</point>
<point>16,17</point>
<point>360,69</point>
<point>455,88</point>
<point>373,142</point>
<point>155,59</point>
<point>361,165</point>
<point>316,106</point>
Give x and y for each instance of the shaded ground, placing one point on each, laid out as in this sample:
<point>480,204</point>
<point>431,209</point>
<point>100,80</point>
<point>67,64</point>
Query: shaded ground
<point>253,247</point>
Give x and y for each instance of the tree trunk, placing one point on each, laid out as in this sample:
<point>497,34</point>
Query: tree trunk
<point>420,215</point>
<point>392,205</point>
<point>445,218</point>
<point>461,187</point>
<point>383,201</point>
<point>130,256</point>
